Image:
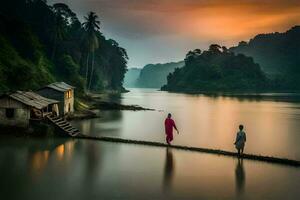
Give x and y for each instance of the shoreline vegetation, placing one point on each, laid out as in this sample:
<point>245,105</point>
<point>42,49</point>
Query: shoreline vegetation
<point>87,107</point>
<point>285,96</point>
<point>235,92</point>
<point>232,92</point>
<point>217,69</point>
<point>104,101</point>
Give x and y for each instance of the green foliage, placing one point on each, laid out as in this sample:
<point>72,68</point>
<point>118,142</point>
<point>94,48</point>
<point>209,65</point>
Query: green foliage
<point>18,73</point>
<point>91,26</point>
<point>111,64</point>
<point>216,70</point>
<point>41,44</point>
<point>279,56</point>
<point>67,70</point>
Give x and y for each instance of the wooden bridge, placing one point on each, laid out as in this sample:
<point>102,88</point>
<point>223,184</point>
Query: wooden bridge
<point>66,128</point>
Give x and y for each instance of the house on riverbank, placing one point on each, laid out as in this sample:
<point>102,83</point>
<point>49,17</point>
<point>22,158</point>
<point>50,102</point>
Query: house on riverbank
<point>61,92</point>
<point>19,108</point>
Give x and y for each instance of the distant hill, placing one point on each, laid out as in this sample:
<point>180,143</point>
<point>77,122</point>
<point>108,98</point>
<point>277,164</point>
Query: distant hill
<point>155,75</point>
<point>131,77</point>
<point>272,51</point>
<point>277,53</point>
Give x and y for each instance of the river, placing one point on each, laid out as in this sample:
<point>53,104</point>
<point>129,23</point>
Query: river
<point>272,126</point>
<point>58,168</point>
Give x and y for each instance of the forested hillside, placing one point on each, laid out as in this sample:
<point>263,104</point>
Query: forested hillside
<point>155,75</point>
<point>40,44</point>
<point>217,69</point>
<point>278,54</point>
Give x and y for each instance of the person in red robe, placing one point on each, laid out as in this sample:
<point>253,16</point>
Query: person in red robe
<point>169,125</point>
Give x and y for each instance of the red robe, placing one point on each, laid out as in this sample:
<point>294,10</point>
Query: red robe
<point>169,125</point>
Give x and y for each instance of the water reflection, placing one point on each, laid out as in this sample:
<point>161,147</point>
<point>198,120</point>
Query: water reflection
<point>169,169</point>
<point>65,151</point>
<point>102,170</point>
<point>109,123</point>
<point>38,161</point>
<point>62,151</point>
<point>240,177</point>
<point>252,97</point>
<point>93,161</point>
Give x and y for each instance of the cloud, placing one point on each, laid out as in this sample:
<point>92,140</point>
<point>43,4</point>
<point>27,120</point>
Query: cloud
<point>149,18</point>
<point>194,22</point>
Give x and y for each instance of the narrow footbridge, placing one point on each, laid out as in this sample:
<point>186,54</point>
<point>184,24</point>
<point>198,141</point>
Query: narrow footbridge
<point>269,159</point>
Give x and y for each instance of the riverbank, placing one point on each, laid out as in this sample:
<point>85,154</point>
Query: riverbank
<point>86,107</point>
<point>236,91</point>
<point>283,96</point>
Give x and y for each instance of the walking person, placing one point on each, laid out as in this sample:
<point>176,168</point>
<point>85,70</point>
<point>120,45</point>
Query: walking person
<point>240,140</point>
<point>169,125</point>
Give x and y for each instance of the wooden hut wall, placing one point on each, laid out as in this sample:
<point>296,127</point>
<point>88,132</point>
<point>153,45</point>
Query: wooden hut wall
<point>20,113</point>
<point>53,94</point>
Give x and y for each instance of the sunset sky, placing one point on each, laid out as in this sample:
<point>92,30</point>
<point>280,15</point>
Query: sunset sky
<point>157,31</point>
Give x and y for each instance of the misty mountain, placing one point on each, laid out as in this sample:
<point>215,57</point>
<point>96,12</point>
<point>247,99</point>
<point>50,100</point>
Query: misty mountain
<point>131,77</point>
<point>155,75</point>
<point>277,53</point>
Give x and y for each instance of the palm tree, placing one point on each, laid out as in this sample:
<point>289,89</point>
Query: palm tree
<point>91,26</point>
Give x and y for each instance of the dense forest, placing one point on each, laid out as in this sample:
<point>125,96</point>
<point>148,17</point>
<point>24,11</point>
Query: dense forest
<point>216,69</point>
<point>40,44</point>
<point>155,75</point>
<point>278,54</point>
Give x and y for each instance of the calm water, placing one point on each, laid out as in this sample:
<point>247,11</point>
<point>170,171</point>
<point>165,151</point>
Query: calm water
<point>72,169</point>
<point>272,127</point>
<point>57,168</point>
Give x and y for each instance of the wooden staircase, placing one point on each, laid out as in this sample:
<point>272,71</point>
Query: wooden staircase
<point>64,126</point>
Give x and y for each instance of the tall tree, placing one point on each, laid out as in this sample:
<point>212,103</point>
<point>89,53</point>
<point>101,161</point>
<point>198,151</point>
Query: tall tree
<point>59,29</point>
<point>215,48</point>
<point>42,41</point>
<point>91,26</point>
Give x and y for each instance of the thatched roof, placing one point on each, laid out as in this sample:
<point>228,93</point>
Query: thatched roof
<point>59,86</point>
<point>32,99</point>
